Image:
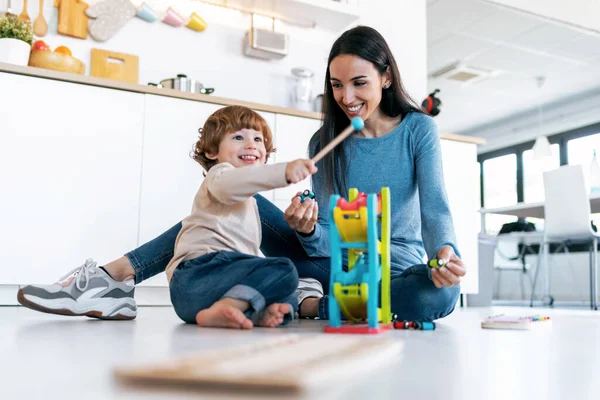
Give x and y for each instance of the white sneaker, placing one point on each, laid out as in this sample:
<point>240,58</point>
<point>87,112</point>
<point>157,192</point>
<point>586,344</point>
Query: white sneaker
<point>86,290</point>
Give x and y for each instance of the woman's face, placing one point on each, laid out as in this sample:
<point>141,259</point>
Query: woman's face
<point>357,85</point>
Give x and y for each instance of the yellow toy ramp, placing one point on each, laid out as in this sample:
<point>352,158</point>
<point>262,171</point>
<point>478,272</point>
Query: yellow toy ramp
<point>352,300</point>
<point>351,224</point>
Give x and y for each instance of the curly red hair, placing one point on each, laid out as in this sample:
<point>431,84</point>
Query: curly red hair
<point>228,120</point>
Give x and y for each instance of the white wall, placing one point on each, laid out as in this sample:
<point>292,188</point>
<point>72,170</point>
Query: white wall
<point>582,13</point>
<point>215,56</point>
<point>403,24</point>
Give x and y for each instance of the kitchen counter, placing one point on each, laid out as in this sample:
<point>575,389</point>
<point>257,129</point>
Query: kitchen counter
<point>138,88</point>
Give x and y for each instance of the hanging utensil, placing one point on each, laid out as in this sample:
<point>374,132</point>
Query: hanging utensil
<point>24,16</point>
<point>40,27</point>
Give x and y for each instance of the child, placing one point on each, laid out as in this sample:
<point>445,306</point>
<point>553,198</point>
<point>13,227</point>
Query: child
<point>218,276</point>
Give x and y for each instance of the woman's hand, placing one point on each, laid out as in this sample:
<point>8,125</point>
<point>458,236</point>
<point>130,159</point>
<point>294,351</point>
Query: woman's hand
<point>302,216</point>
<point>449,274</point>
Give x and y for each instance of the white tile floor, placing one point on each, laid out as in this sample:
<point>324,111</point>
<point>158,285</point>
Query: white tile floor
<point>53,357</point>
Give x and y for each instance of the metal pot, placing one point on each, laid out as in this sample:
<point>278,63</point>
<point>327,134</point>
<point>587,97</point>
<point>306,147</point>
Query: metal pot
<point>184,84</point>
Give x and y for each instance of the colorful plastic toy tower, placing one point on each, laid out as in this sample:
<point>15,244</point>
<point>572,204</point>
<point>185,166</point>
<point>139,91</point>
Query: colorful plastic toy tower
<point>357,226</point>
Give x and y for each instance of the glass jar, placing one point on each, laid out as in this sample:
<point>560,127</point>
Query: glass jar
<point>302,96</point>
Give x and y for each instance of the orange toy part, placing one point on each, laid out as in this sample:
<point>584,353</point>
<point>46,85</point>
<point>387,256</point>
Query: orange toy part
<point>360,201</point>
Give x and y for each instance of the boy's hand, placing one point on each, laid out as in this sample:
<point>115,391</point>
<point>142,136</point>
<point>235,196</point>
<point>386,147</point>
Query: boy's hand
<point>298,170</point>
<point>451,273</point>
<point>302,216</point>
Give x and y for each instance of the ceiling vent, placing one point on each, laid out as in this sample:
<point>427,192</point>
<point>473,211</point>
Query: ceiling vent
<point>461,73</point>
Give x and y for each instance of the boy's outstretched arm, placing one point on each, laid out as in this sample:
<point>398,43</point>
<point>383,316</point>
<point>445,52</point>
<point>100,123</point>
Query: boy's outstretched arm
<point>229,185</point>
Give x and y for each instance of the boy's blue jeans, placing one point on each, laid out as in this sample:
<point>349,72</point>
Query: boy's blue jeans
<point>414,296</point>
<point>198,283</point>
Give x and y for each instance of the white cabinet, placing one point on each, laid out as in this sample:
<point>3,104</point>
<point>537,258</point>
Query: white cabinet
<point>170,176</point>
<point>95,172</point>
<point>291,139</point>
<point>70,164</point>
<point>461,176</point>
<point>334,16</point>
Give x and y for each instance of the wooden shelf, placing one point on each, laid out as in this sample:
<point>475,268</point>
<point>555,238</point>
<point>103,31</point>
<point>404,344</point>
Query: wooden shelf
<point>325,14</point>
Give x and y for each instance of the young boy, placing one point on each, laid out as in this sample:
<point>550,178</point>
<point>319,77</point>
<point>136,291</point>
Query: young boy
<point>218,276</point>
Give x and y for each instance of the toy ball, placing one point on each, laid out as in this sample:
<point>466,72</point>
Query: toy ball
<point>357,123</point>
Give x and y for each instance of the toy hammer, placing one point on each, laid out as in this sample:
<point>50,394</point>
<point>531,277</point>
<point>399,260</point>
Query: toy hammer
<point>356,124</point>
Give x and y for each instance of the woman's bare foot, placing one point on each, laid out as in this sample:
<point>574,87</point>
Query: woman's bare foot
<point>272,316</point>
<point>223,314</point>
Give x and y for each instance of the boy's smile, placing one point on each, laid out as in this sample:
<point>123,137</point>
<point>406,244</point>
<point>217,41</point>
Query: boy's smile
<point>242,148</point>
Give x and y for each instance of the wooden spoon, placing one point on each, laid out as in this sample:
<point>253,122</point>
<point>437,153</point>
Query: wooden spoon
<point>40,27</point>
<point>24,16</point>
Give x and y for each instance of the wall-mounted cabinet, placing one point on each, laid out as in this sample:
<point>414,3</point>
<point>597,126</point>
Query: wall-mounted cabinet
<point>327,14</point>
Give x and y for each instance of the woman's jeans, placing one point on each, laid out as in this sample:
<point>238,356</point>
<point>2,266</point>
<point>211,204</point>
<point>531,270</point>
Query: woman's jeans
<point>414,297</point>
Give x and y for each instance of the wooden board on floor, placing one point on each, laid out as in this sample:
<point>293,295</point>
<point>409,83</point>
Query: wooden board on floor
<point>288,363</point>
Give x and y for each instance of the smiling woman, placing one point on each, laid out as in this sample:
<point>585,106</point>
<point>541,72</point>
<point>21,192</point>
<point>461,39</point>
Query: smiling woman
<point>400,148</point>
<point>362,80</point>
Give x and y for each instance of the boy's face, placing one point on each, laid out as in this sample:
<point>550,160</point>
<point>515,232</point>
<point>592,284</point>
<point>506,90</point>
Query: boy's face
<point>242,148</point>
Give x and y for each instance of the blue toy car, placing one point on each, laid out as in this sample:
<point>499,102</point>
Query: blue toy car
<point>307,194</point>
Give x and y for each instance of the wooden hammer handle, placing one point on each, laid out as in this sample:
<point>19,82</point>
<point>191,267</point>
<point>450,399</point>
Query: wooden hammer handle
<point>336,140</point>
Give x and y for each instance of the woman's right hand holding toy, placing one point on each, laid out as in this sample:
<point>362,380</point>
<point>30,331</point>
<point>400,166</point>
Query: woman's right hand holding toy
<point>302,216</point>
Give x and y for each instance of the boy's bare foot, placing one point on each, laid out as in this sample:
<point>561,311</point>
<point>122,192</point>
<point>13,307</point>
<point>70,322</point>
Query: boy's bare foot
<point>272,316</point>
<point>223,315</point>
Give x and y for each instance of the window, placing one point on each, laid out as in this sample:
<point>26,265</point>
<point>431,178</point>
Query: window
<point>500,181</point>
<point>499,189</point>
<point>581,151</point>
<point>511,175</point>
<point>533,170</point>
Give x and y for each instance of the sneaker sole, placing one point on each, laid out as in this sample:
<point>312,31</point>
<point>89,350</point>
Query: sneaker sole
<point>65,311</point>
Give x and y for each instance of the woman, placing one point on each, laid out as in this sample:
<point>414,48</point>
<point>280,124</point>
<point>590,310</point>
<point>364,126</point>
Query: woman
<point>399,148</point>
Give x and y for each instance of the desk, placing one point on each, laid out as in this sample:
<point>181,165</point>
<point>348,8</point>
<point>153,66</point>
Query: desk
<point>486,254</point>
<point>531,210</point>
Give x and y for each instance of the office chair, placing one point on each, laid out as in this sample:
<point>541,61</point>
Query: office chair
<point>567,214</point>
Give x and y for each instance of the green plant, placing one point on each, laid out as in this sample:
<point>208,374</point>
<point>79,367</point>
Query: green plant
<point>11,27</point>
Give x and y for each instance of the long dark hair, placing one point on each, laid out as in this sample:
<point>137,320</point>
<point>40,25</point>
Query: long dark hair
<point>368,44</point>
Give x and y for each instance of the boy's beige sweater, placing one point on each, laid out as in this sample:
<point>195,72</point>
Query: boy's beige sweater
<point>224,214</point>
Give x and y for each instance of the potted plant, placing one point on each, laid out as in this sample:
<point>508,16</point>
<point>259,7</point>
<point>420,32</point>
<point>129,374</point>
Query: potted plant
<point>16,37</point>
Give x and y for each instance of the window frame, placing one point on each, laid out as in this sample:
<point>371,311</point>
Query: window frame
<point>561,139</point>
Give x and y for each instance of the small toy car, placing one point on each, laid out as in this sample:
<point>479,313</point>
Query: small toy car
<point>307,194</point>
<point>437,264</point>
